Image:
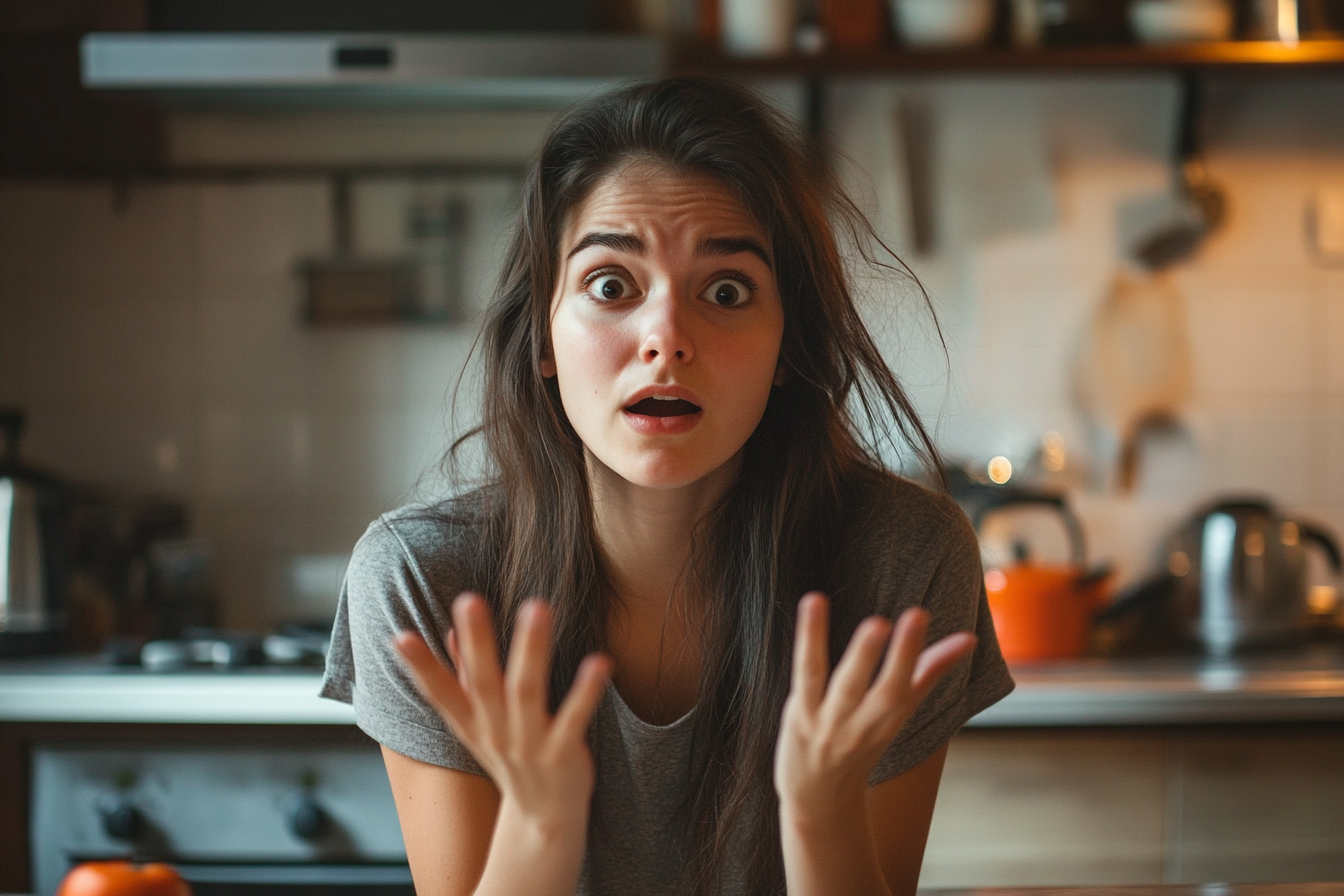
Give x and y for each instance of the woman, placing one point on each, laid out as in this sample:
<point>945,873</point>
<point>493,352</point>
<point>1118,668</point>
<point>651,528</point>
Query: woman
<point>673,370</point>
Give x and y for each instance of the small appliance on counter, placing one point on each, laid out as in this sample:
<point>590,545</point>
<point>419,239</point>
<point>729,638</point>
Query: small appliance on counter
<point>32,551</point>
<point>1042,611</point>
<point>1235,578</point>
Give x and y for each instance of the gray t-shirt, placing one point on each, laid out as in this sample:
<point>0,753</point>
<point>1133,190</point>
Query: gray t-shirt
<point>911,547</point>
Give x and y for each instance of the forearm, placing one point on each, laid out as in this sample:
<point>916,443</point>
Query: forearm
<point>830,851</point>
<point>537,857</point>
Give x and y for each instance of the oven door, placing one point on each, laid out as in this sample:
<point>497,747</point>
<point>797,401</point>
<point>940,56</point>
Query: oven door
<point>235,820</point>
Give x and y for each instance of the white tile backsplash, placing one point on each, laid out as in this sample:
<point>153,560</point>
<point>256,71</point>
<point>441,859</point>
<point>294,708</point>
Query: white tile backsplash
<point>1263,445</point>
<point>360,137</point>
<point>1330,292</point>
<point>158,343</point>
<point>262,228</point>
<point>1253,329</point>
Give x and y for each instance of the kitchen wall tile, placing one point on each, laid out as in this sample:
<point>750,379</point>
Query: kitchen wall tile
<point>384,455</point>
<point>204,138</point>
<point>134,448</point>
<point>255,454</point>
<point>254,351</point>
<point>1032,321</point>
<point>254,543</point>
<point>1330,293</point>
<point>1331,453</point>
<point>86,243</point>
<point>262,229</point>
<point>1252,329</point>
<point>1266,200</point>
<point>119,347</point>
<point>1263,446</point>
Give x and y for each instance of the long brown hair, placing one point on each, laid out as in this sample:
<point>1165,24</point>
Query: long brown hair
<point>773,536</point>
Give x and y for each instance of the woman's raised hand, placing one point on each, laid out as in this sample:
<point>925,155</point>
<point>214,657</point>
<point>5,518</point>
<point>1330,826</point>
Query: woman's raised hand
<point>540,763</point>
<point>833,733</point>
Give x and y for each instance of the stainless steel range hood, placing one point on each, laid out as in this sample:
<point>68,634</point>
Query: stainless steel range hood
<point>338,68</point>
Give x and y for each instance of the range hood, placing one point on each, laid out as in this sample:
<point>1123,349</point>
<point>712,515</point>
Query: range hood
<point>315,68</point>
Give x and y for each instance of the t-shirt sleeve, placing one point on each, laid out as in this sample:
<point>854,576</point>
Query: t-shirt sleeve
<point>386,592</point>
<point>956,601</point>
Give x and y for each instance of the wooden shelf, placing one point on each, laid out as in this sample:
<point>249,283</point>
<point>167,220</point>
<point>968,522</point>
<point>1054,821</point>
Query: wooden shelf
<point>1243,56</point>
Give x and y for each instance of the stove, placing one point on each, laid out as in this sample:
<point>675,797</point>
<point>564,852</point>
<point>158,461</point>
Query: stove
<point>245,821</point>
<point>213,753</point>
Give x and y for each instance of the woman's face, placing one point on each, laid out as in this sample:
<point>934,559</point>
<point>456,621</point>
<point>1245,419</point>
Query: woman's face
<point>665,325</point>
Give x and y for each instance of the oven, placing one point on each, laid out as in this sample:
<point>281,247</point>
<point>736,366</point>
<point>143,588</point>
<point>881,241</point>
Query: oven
<point>233,818</point>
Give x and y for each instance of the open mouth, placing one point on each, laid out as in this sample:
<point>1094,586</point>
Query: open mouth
<point>663,407</point>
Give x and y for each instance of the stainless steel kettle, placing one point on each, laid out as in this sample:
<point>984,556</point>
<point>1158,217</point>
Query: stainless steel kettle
<point>1240,570</point>
<point>32,551</point>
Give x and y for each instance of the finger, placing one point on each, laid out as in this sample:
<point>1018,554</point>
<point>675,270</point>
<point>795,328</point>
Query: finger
<point>939,659</point>
<point>898,667</point>
<point>571,719</point>
<point>454,654</point>
<point>438,685</point>
<point>479,670</point>
<point>811,652</point>
<point>525,676</point>
<point>854,674</point>
<point>889,703</point>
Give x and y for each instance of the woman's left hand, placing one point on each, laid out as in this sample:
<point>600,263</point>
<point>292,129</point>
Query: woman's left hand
<point>833,733</point>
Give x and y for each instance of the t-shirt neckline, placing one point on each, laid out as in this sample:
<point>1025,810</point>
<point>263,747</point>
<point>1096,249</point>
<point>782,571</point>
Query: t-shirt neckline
<point>624,709</point>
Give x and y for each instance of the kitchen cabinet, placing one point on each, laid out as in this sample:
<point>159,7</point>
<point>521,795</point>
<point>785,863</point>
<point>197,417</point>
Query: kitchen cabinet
<point>1140,805</point>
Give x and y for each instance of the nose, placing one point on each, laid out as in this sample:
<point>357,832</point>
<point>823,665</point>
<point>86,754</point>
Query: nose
<point>666,335</point>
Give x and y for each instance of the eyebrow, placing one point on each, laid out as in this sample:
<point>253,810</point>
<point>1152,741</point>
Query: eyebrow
<point>621,242</point>
<point>732,245</point>
<point>713,246</point>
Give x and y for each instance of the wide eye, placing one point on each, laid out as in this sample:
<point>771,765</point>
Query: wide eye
<point>727,293</point>
<point>610,287</point>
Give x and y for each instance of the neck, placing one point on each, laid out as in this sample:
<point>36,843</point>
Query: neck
<point>645,533</point>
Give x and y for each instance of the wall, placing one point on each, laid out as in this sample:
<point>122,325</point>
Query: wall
<point>157,342</point>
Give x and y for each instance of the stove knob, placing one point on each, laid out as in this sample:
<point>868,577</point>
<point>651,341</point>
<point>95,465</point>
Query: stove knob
<point>308,820</point>
<point>123,821</point>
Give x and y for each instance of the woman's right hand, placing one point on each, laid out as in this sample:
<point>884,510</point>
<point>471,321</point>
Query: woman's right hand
<point>541,763</point>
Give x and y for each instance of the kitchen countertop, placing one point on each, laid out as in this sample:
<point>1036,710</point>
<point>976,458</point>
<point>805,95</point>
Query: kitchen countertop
<point>1301,685</point>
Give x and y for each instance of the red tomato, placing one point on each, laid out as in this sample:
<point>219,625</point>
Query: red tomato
<point>123,879</point>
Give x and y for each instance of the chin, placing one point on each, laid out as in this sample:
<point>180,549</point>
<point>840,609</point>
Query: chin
<point>666,473</point>
<point>662,478</point>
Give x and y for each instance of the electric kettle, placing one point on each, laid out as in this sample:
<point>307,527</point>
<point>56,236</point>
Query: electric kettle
<point>1240,575</point>
<point>32,551</point>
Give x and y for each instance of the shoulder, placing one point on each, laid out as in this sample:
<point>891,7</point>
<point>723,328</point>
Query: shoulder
<point>906,545</point>
<point>895,516</point>
<point>448,535</point>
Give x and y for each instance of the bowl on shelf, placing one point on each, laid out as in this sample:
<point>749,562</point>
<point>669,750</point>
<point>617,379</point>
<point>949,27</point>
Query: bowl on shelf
<point>1180,21</point>
<point>938,24</point>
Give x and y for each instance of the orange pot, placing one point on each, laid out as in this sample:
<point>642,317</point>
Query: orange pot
<point>1044,612</point>
<point>123,879</point>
